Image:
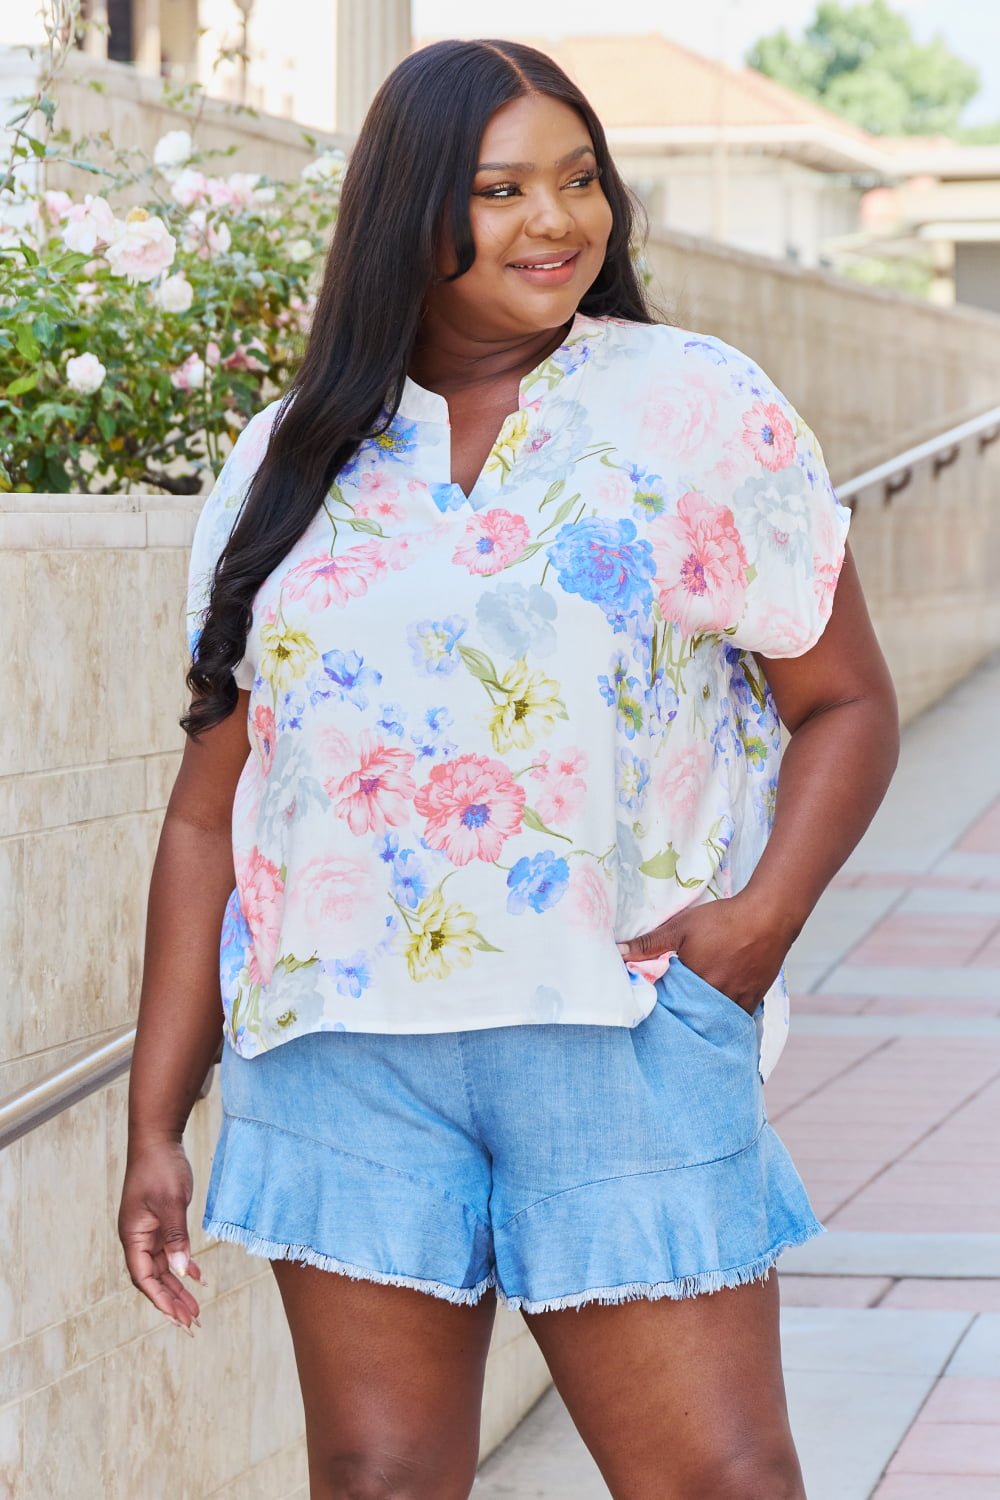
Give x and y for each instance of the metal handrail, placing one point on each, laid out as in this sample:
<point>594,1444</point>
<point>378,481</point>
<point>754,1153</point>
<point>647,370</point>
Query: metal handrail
<point>57,1090</point>
<point>904,461</point>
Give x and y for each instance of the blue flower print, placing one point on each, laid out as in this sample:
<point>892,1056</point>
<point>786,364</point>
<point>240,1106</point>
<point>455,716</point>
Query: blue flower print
<point>234,945</point>
<point>447,497</point>
<point>633,779</point>
<point>410,881</point>
<point>432,644</point>
<point>387,847</point>
<point>517,620</point>
<point>707,346</point>
<point>347,670</point>
<point>618,691</point>
<point>537,883</point>
<point>428,736</point>
<point>352,975</point>
<point>391,719</point>
<point>601,560</point>
<point>647,494</point>
<point>661,702</point>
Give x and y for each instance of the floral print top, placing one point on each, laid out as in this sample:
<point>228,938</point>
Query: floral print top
<point>493,735</point>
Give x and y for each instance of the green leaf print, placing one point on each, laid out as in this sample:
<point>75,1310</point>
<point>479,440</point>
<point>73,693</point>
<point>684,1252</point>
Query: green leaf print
<point>553,492</point>
<point>531,819</point>
<point>361,523</point>
<point>483,945</point>
<point>662,866</point>
<point>479,665</point>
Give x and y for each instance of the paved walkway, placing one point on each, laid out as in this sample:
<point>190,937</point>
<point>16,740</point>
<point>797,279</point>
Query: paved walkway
<point>888,1097</point>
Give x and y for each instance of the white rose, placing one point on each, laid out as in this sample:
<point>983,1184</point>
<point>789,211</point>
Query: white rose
<point>328,168</point>
<point>175,294</point>
<point>189,187</point>
<point>142,248</point>
<point>190,376</point>
<point>300,250</point>
<point>89,224</point>
<point>173,150</point>
<point>85,374</point>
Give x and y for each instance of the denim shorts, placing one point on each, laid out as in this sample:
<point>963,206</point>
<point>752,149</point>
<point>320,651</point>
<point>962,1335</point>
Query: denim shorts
<point>558,1164</point>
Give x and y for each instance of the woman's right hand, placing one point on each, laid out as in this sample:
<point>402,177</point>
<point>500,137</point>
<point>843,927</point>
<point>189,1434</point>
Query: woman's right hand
<point>152,1226</point>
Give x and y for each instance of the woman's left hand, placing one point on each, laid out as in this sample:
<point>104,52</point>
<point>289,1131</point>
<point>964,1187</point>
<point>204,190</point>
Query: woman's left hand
<point>732,944</point>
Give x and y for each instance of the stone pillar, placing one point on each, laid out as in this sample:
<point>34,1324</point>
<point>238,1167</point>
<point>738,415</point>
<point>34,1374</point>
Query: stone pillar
<point>95,42</point>
<point>372,37</point>
<point>146,35</point>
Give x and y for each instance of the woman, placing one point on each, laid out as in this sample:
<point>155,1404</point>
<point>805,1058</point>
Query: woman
<point>482,762</point>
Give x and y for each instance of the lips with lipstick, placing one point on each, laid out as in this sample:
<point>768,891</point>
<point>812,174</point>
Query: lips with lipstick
<point>547,270</point>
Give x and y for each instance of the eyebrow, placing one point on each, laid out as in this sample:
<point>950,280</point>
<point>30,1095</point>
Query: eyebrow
<point>529,166</point>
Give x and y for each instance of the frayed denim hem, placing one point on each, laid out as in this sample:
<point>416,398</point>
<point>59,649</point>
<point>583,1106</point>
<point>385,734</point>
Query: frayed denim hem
<point>683,1286</point>
<point>256,1244</point>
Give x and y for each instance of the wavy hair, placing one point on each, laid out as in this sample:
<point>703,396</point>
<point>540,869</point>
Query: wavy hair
<point>424,125</point>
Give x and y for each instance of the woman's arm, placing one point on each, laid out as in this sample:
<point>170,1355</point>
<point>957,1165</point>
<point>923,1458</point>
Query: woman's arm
<point>180,1011</point>
<point>839,705</point>
<point>838,702</point>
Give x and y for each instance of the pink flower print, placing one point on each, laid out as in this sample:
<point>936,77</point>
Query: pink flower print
<point>682,416</point>
<point>333,888</point>
<point>472,805</point>
<point>378,500</point>
<point>563,787</point>
<point>700,565</point>
<point>587,902</point>
<point>398,552</point>
<point>824,586</point>
<point>769,435</point>
<point>680,785</point>
<point>262,896</point>
<point>322,581</point>
<point>376,791</point>
<point>263,733</point>
<point>616,492</point>
<point>493,540</point>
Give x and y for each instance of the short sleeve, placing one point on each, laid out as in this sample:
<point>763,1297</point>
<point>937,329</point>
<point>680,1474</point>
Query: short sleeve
<point>754,544</point>
<point>216,520</point>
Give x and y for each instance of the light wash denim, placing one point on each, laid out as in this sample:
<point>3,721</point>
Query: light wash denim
<point>558,1163</point>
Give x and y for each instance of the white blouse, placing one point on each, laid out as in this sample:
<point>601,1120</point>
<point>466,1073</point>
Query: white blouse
<point>491,736</point>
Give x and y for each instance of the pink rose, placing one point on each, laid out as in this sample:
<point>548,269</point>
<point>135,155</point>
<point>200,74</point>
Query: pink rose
<point>262,894</point>
<point>768,433</point>
<point>492,541</point>
<point>700,565</point>
<point>472,805</point>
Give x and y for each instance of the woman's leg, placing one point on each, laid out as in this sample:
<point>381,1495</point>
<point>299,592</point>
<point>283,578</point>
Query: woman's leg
<point>392,1382</point>
<point>678,1400</point>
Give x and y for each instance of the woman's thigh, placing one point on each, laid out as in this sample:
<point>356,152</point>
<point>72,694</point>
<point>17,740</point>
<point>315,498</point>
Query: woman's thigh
<point>678,1399</point>
<point>392,1382</point>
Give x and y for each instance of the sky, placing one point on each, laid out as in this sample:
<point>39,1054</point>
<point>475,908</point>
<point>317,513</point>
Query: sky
<point>720,28</point>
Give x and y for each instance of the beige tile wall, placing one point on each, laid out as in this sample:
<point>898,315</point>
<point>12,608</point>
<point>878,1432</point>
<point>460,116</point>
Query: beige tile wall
<point>99,1398</point>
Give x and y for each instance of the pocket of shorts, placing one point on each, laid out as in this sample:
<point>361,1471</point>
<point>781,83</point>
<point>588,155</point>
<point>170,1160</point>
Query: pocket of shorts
<point>718,994</point>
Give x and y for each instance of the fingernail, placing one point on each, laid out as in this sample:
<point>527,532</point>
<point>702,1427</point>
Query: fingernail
<point>177,1260</point>
<point>198,1321</point>
<point>622,947</point>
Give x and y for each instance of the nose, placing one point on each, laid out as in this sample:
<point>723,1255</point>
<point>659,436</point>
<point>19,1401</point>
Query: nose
<point>549,217</point>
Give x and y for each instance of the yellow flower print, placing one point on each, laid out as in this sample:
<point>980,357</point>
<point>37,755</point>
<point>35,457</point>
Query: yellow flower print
<point>530,707</point>
<point>447,936</point>
<point>510,440</point>
<point>287,654</point>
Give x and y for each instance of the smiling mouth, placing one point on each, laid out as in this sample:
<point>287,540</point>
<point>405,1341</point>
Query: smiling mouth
<point>543,265</point>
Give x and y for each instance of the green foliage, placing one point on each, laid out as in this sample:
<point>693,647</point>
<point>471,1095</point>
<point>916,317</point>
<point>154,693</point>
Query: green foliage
<point>186,312</point>
<point>863,63</point>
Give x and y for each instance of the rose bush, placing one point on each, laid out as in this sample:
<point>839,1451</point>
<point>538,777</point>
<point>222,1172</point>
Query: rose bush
<point>132,341</point>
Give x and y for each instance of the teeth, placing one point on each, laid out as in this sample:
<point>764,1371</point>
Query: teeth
<point>550,265</point>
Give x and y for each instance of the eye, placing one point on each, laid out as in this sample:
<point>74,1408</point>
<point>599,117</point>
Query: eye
<point>499,192</point>
<point>584,179</point>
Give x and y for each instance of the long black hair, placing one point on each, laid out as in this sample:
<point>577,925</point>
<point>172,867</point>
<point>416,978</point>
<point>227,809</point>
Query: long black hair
<point>416,151</point>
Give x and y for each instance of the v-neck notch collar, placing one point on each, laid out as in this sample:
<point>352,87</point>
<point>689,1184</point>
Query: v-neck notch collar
<point>418,404</point>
